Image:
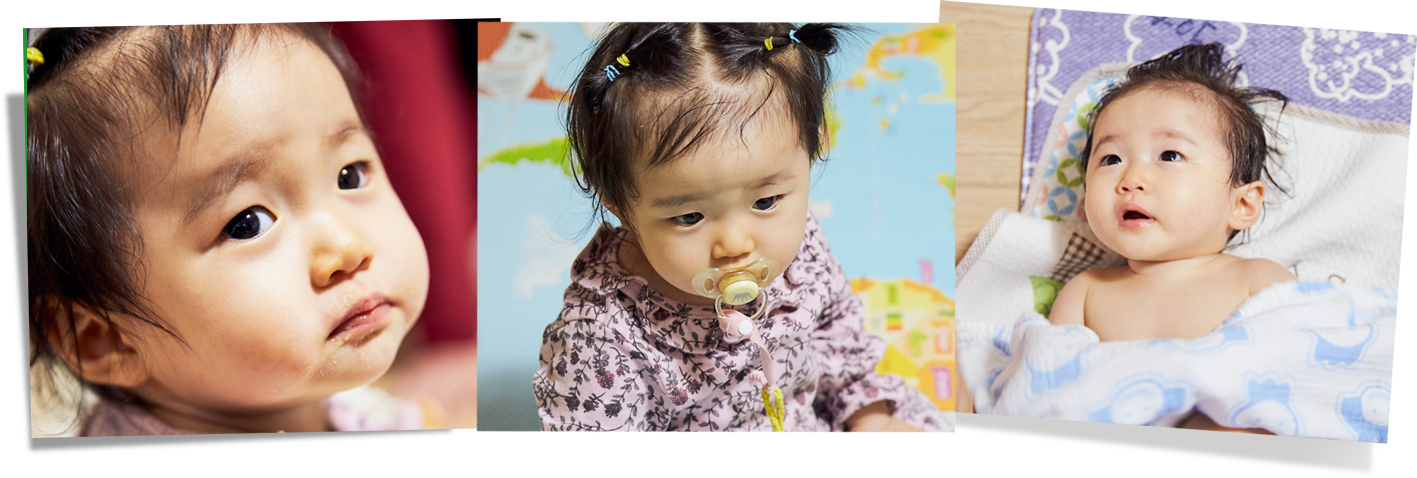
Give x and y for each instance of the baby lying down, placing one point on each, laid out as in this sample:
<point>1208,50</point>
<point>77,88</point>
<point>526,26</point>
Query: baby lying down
<point>1173,172</point>
<point>1183,335</point>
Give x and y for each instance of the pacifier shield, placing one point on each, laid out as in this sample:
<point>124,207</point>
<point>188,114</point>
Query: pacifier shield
<point>732,284</point>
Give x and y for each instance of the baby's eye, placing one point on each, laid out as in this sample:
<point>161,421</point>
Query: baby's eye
<point>688,219</point>
<point>354,176</point>
<point>250,223</point>
<point>767,203</point>
<point>1109,160</point>
<point>1170,156</point>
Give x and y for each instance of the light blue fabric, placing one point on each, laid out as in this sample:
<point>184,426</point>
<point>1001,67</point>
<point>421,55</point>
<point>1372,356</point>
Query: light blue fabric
<point>1299,358</point>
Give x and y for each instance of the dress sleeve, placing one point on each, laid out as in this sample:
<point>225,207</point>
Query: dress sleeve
<point>595,377</point>
<point>848,355</point>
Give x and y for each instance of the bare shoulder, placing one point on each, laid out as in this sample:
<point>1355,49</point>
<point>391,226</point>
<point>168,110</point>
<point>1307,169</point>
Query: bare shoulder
<point>1068,306</point>
<point>1261,273</point>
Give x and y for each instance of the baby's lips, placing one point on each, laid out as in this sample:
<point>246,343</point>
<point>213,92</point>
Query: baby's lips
<point>1130,208</point>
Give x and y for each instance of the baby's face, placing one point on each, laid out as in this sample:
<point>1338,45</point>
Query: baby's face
<point>1158,181</point>
<point>274,245</point>
<point>726,205</point>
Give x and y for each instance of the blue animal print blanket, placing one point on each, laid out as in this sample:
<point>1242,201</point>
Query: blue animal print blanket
<point>1300,358</point>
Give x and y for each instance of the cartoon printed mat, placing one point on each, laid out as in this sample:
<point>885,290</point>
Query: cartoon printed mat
<point>1358,74</point>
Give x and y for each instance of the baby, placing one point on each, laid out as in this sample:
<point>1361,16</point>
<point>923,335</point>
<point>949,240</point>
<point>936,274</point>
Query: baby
<point>1173,171</point>
<point>700,139</point>
<point>213,244</point>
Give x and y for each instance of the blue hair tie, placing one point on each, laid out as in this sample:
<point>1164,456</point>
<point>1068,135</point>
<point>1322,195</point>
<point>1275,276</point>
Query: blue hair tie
<point>793,35</point>
<point>610,70</point>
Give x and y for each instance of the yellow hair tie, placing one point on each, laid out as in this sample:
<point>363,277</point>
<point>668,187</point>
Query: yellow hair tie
<point>623,60</point>
<point>33,54</point>
<point>768,42</point>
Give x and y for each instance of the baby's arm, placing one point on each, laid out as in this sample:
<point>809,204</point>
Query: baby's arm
<point>593,379</point>
<point>849,389</point>
<point>848,356</point>
<point>1068,306</point>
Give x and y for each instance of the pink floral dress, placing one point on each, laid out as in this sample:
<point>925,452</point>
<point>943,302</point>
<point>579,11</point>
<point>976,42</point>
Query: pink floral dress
<point>623,357</point>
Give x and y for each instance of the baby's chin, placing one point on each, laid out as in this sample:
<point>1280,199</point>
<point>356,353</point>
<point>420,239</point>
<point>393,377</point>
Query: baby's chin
<point>359,361</point>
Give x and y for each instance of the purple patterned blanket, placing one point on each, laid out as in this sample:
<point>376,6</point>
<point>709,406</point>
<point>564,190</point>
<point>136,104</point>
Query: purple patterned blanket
<point>1358,74</point>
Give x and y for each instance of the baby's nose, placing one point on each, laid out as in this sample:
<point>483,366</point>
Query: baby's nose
<point>733,247</point>
<point>1134,181</point>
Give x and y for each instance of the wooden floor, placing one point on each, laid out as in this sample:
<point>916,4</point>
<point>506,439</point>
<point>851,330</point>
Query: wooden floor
<point>992,55</point>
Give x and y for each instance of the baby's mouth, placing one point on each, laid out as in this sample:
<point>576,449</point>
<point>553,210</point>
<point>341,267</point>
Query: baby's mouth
<point>1134,217</point>
<point>363,319</point>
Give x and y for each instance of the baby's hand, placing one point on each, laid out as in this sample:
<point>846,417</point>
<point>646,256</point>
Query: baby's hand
<point>757,378</point>
<point>886,424</point>
<point>876,418</point>
<point>1200,421</point>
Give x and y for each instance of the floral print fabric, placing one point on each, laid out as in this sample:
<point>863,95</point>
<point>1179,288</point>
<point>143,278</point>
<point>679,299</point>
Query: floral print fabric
<point>623,357</point>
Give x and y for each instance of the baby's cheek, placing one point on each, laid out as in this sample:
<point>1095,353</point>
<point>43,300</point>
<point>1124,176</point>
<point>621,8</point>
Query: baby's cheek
<point>275,366</point>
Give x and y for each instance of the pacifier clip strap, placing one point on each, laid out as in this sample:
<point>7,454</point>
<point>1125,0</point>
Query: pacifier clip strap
<point>772,396</point>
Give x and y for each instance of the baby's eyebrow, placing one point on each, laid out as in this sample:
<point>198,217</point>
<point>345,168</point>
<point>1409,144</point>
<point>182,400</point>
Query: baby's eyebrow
<point>349,130</point>
<point>677,200</point>
<point>220,182</point>
<point>1103,140</point>
<point>774,179</point>
<point>1176,134</point>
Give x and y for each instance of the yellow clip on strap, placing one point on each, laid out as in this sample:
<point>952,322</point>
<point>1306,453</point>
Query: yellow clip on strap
<point>774,407</point>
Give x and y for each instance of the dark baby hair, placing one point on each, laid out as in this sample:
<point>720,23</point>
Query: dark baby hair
<point>660,90</point>
<point>1204,66</point>
<point>86,105</point>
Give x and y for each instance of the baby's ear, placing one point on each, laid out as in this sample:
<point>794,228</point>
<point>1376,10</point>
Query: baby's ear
<point>825,134</point>
<point>1082,211</point>
<point>612,210</point>
<point>93,347</point>
<point>1246,204</point>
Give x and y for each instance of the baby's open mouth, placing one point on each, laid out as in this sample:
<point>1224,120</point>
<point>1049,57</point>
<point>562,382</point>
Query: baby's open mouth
<point>1133,217</point>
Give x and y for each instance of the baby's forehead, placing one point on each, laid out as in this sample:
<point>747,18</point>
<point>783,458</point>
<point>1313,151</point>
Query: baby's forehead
<point>1165,97</point>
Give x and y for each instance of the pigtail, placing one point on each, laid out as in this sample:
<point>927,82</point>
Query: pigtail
<point>639,53</point>
<point>822,38</point>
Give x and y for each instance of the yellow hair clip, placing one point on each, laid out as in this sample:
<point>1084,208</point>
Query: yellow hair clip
<point>768,42</point>
<point>623,60</point>
<point>32,54</point>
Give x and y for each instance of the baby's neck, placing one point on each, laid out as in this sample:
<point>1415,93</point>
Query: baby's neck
<point>308,417</point>
<point>1174,267</point>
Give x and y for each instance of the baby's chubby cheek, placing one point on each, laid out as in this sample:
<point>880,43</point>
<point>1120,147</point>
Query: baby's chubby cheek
<point>273,360</point>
